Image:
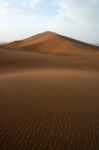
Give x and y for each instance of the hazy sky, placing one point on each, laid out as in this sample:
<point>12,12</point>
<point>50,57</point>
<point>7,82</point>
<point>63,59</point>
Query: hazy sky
<point>75,18</point>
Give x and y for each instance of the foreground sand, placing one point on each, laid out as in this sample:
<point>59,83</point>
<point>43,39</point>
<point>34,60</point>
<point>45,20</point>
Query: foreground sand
<point>49,106</point>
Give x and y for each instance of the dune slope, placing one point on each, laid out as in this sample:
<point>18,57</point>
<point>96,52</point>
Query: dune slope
<point>15,61</point>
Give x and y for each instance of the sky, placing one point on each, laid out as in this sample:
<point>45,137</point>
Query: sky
<point>78,19</point>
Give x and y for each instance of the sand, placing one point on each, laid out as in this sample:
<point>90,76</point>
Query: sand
<point>13,61</point>
<point>48,102</point>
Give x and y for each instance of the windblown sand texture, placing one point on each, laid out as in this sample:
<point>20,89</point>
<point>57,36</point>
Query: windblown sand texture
<point>49,101</point>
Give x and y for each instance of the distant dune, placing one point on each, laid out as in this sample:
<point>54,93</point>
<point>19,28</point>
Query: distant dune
<point>49,42</point>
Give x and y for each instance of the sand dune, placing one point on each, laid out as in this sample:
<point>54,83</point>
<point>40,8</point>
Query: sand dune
<point>49,101</point>
<point>49,42</point>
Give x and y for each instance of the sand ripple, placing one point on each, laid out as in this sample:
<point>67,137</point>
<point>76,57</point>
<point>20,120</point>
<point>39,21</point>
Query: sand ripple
<point>50,111</point>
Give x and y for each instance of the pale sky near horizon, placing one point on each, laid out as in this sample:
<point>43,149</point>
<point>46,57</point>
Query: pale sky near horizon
<point>78,19</point>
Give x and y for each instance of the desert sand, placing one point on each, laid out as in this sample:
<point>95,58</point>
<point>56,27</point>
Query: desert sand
<point>49,101</point>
